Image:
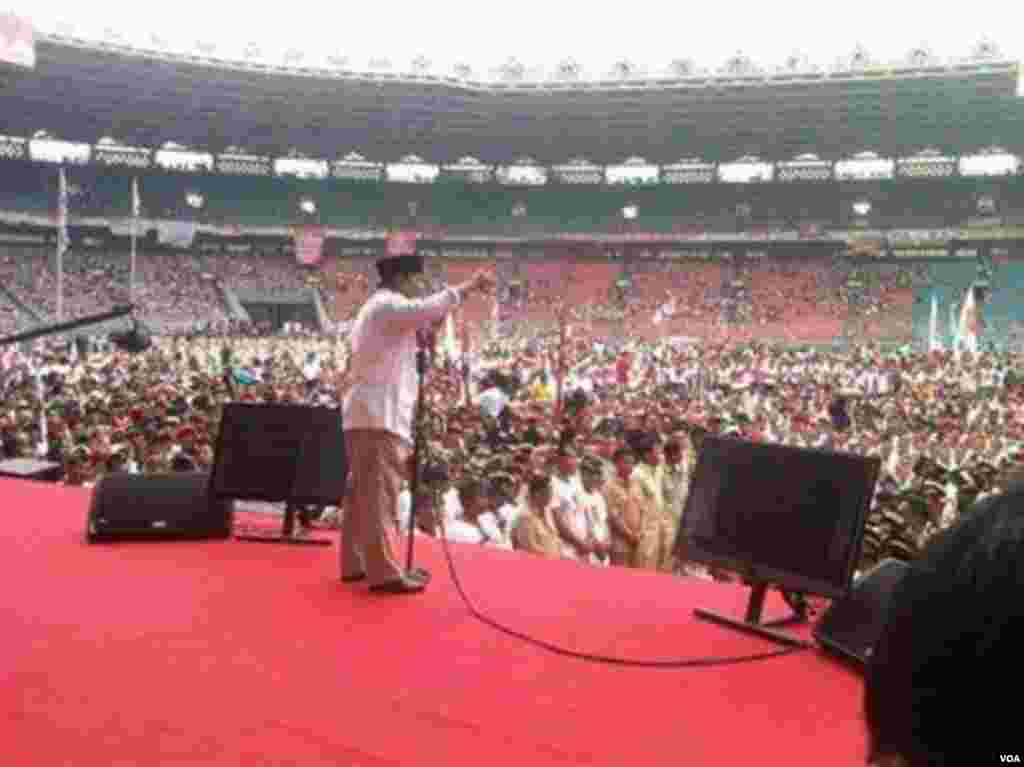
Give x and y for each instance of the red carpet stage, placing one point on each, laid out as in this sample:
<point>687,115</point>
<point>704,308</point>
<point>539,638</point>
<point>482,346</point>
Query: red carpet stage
<point>232,653</point>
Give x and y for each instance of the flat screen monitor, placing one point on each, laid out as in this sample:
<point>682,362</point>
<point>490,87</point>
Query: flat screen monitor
<point>786,516</point>
<point>280,452</point>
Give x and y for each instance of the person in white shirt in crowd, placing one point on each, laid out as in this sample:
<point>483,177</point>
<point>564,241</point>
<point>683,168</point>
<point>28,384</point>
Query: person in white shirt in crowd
<point>565,514</point>
<point>425,512</point>
<point>479,524</point>
<point>595,510</point>
<point>493,401</point>
<point>377,414</point>
<point>507,489</point>
<point>311,370</point>
<point>451,508</point>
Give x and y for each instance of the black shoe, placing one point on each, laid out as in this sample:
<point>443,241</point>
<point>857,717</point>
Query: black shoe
<point>400,585</point>
<point>417,573</point>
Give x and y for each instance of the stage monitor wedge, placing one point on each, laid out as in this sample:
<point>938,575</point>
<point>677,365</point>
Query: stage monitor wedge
<point>157,507</point>
<point>852,625</point>
<point>779,516</point>
<point>280,452</point>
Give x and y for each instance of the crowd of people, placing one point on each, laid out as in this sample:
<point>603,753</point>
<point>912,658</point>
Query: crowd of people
<point>607,401</point>
<point>614,451</point>
<point>785,300</point>
<point>172,290</point>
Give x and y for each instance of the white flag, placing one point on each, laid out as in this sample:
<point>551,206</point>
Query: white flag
<point>954,335</point>
<point>136,203</point>
<point>449,342</point>
<point>969,322</point>
<point>41,396</point>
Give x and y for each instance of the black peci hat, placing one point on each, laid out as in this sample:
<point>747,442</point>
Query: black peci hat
<point>393,266</point>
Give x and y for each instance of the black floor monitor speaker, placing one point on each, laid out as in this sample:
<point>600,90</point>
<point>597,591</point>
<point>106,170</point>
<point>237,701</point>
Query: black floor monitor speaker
<point>157,507</point>
<point>852,625</point>
<point>280,452</point>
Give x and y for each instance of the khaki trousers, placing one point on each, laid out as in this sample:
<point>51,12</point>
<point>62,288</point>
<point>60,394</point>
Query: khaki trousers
<point>378,463</point>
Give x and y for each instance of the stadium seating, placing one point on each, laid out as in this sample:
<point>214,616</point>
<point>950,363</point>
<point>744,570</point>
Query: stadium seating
<point>464,208</point>
<point>785,298</point>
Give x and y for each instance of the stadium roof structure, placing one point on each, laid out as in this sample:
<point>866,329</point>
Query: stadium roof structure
<point>84,90</point>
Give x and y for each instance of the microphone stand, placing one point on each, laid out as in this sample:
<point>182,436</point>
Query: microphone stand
<point>62,327</point>
<point>417,443</point>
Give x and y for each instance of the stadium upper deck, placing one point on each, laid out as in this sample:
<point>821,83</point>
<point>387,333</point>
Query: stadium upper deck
<point>104,194</point>
<point>83,91</point>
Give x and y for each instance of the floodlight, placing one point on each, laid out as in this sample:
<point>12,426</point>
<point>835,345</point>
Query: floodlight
<point>862,207</point>
<point>194,199</point>
<point>630,212</point>
<point>307,206</point>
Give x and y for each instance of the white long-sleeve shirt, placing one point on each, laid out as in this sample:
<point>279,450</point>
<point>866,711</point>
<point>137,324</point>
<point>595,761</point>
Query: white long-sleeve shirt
<point>383,361</point>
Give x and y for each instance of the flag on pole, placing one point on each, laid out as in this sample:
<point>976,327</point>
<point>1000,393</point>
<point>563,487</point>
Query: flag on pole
<point>44,439</point>
<point>934,344</point>
<point>62,216</point>
<point>449,342</point>
<point>970,322</point>
<point>62,241</point>
<point>954,336</point>
<point>136,203</point>
<point>136,209</point>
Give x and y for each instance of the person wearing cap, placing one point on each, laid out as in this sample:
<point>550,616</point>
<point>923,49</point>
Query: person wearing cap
<point>377,414</point>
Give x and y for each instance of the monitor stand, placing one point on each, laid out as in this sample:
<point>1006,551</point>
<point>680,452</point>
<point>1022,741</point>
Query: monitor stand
<point>752,623</point>
<point>287,534</point>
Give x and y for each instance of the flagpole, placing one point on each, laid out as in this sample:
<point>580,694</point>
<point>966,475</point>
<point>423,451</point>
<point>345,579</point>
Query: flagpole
<point>560,362</point>
<point>135,226</point>
<point>62,228</point>
<point>60,280</point>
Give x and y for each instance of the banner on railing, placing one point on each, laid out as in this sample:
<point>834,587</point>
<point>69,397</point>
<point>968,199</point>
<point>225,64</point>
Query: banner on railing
<point>177,234</point>
<point>309,244</point>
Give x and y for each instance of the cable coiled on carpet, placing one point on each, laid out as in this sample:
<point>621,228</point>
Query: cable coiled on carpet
<point>597,657</point>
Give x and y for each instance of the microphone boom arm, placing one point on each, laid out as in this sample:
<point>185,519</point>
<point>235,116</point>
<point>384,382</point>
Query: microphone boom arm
<point>60,327</point>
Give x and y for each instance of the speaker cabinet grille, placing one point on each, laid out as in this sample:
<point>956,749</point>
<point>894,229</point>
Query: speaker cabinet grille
<point>852,626</point>
<point>157,507</point>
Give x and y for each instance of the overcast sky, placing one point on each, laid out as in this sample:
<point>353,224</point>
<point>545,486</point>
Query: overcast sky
<point>542,33</point>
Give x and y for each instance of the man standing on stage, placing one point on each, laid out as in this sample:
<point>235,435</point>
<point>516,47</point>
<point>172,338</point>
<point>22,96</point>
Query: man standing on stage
<point>378,415</point>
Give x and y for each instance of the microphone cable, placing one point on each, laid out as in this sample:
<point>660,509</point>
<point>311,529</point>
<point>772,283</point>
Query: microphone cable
<point>704,662</point>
